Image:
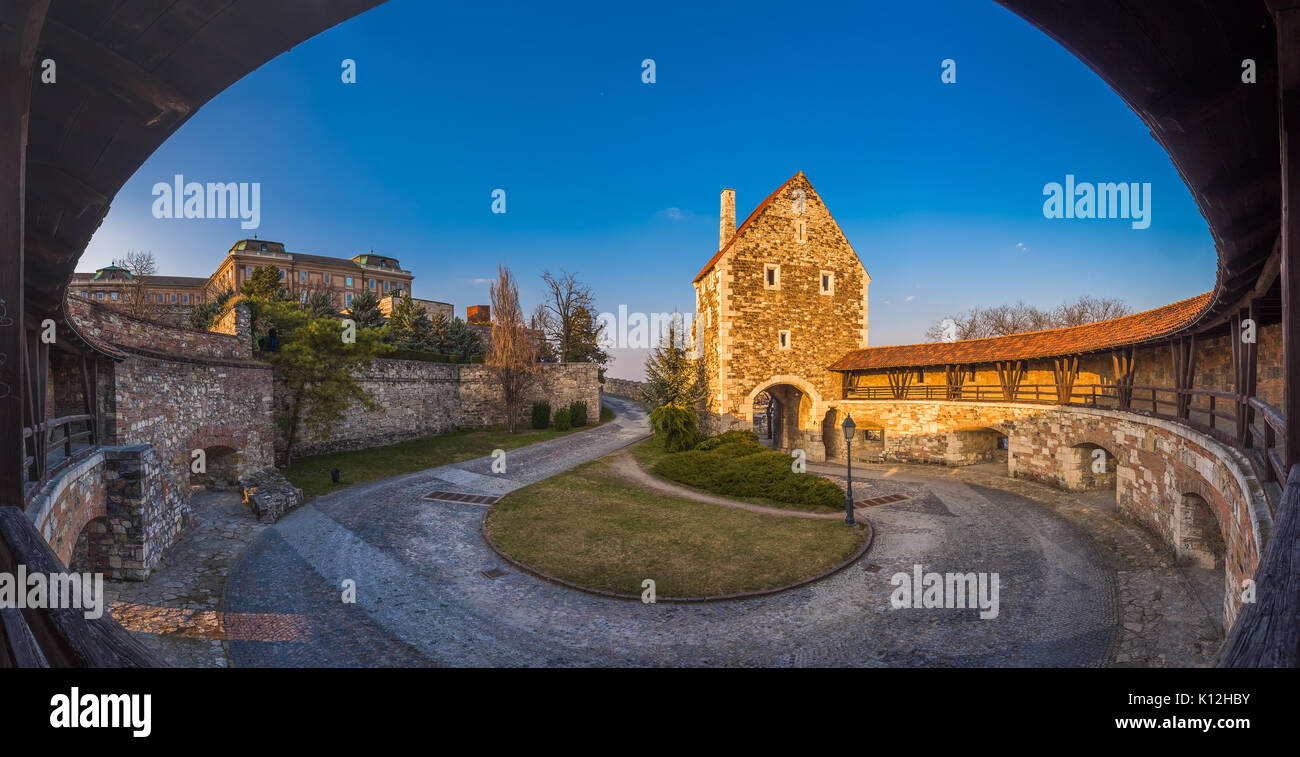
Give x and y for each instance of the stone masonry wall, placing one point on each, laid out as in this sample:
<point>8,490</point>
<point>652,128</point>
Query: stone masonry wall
<point>625,388</point>
<point>422,399</point>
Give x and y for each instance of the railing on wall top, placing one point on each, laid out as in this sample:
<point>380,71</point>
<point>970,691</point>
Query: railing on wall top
<point>1246,423</point>
<point>51,446</point>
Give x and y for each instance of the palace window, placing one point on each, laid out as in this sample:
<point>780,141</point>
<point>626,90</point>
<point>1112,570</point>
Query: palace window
<point>161,298</point>
<point>827,282</point>
<point>372,283</point>
<point>387,285</point>
<point>173,298</point>
<point>771,276</point>
<point>302,276</point>
<point>349,299</point>
<point>783,339</point>
<point>248,272</point>
<point>113,295</point>
<point>281,270</point>
<point>99,295</point>
<point>304,296</point>
<point>185,298</point>
<point>347,280</point>
<point>327,278</point>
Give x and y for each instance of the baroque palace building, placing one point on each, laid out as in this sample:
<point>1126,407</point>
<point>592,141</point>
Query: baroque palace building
<point>172,297</point>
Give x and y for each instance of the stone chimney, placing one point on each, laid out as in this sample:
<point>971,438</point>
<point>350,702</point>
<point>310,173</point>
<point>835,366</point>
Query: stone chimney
<point>727,223</point>
<point>478,314</point>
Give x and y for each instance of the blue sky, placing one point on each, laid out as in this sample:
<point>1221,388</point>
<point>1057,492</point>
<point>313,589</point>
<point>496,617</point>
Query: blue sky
<point>939,187</point>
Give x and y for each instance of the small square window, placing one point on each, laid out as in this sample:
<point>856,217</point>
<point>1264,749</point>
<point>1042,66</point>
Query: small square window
<point>783,339</point>
<point>771,276</point>
<point>827,285</point>
<point>875,434</point>
<point>114,295</point>
<point>99,295</point>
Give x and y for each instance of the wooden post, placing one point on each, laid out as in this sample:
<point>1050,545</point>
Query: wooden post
<point>1286,19</point>
<point>20,29</point>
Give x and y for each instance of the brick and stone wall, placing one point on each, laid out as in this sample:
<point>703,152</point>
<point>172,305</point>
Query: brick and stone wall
<point>114,512</point>
<point>109,324</point>
<point>423,398</point>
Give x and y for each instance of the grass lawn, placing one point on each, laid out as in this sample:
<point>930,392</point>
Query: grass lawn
<point>593,528</point>
<point>312,473</point>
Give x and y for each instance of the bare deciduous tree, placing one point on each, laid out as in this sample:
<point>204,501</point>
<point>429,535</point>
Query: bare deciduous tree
<point>1001,320</point>
<point>140,265</point>
<point>566,300</point>
<point>513,355</point>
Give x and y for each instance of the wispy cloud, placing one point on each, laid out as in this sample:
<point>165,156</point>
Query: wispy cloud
<point>481,282</point>
<point>673,214</point>
<point>909,298</point>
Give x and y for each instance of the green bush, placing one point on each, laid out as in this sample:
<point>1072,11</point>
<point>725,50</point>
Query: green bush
<point>713,442</point>
<point>735,464</point>
<point>562,420</point>
<point>578,414</point>
<point>679,427</point>
<point>541,415</point>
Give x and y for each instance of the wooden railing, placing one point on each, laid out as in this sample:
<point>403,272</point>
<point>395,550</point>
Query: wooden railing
<point>1267,631</point>
<point>51,446</point>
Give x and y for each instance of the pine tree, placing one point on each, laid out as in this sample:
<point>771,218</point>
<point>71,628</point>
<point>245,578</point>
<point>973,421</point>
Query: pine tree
<point>673,376</point>
<point>365,310</point>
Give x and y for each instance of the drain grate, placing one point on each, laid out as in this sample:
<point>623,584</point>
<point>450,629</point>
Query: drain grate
<point>494,573</point>
<point>885,500</point>
<point>473,499</point>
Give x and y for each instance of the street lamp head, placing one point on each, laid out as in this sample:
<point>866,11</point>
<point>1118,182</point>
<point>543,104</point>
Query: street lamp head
<point>849,427</point>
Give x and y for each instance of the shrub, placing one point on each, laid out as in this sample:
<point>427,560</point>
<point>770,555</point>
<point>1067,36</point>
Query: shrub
<point>562,420</point>
<point>736,464</point>
<point>679,427</point>
<point>578,414</point>
<point>541,415</point>
<point>713,442</point>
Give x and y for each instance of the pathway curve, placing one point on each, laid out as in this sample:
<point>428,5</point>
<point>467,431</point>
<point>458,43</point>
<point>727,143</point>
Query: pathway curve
<point>430,592</point>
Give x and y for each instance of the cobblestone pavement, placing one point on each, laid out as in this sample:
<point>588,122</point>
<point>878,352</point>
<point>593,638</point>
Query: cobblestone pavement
<point>422,597</point>
<point>176,613</point>
<point>1079,584</point>
<point>1171,615</point>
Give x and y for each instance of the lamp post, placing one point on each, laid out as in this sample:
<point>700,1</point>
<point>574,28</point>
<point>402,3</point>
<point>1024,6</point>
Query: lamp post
<point>849,427</point>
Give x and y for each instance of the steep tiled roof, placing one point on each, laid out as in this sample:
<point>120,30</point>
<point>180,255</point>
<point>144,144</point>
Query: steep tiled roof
<point>1130,329</point>
<point>739,229</point>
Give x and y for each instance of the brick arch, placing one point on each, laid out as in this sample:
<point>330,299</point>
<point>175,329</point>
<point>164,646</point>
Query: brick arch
<point>215,436</point>
<point>1191,482</point>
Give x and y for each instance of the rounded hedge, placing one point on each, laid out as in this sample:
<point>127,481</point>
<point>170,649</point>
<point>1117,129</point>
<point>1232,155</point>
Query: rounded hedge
<point>736,464</point>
